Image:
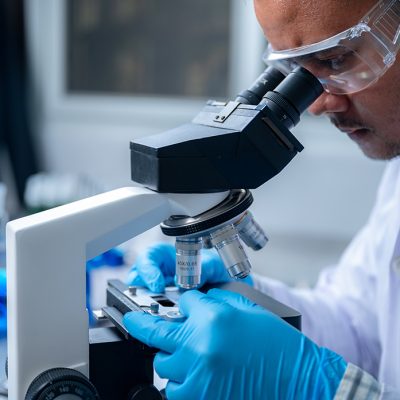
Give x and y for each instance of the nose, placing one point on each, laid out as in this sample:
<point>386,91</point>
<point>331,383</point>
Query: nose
<point>330,103</point>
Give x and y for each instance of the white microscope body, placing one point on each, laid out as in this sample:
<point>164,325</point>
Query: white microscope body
<point>46,264</point>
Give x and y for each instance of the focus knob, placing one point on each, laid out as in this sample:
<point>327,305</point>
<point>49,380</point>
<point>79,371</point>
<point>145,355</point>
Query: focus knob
<point>145,392</point>
<point>61,383</point>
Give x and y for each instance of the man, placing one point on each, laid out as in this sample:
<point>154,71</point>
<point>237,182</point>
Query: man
<point>229,348</point>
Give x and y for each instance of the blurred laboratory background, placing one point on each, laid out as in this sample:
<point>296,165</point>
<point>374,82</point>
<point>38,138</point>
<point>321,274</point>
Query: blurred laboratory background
<point>81,78</point>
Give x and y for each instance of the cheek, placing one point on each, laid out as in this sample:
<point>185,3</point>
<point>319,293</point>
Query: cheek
<point>379,104</point>
<point>390,97</point>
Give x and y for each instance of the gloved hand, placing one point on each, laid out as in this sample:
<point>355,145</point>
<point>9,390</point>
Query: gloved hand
<point>231,349</point>
<point>110,258</point>
<point>155,268</point>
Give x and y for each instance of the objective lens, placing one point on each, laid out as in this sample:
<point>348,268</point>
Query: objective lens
<point>188,262</point>
<point>226,241</point>
<point>251,232</point>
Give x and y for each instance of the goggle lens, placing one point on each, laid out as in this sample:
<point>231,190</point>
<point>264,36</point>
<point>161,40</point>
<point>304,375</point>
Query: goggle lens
<point>351,60</point>
<point>341,69</point>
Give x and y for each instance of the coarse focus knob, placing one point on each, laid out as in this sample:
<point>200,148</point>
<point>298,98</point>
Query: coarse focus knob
<point>61,383</point>
<point>145,392</point>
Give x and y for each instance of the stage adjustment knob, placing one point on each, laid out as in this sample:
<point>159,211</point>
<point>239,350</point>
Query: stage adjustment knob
<point>145,392</point>
<point>61,383</point>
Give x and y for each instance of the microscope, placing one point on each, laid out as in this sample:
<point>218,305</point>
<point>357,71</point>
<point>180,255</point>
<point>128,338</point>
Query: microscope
<point>195,181</point>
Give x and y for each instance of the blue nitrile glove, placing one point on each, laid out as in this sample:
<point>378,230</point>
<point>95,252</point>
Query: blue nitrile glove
<point>231,349</point>
<point>155,268</point>
<point>110,258</point>
<point>3,303</point>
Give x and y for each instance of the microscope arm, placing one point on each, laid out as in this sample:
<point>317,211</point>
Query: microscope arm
<point>46,260</point>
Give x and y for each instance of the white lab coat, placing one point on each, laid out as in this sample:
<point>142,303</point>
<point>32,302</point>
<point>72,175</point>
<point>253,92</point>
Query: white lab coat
<point>355,306</point>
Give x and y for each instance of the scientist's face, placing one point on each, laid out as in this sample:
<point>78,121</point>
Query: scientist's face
<point>370,117</point>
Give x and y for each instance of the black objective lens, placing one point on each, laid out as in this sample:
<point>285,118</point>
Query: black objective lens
<point>293,96</point>
<point>267,81</point>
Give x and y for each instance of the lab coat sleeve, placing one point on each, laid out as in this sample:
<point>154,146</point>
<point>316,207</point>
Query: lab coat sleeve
<point>358,384</point>
<point>341,311</point>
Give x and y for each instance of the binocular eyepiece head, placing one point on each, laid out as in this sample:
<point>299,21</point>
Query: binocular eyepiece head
<point>293,96</point>
<point>286,96</point>
<point>239,144</point>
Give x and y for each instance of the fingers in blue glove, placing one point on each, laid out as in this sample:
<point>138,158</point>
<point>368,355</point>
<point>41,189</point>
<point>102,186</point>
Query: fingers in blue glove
<point>234,299</point>
<point>228,349</point>
<point>153,331</point>
<point>165,335</point>
<point>149,273</point>
<point>134,279</point>
<point>197,305</point>
<point>167,368</point>
<point>155,268</point>
<point>172,390</point>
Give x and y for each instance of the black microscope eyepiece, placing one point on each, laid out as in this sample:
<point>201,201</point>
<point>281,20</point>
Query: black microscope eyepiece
<point>293,96</point>
<point>268,80</point>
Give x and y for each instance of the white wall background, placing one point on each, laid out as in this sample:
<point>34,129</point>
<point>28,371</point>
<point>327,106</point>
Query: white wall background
<point>310,211</point>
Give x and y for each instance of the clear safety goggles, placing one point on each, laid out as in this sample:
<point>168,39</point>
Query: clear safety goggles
<point>351,60</point>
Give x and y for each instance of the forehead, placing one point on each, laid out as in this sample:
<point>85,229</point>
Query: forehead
<point>293,23</point>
